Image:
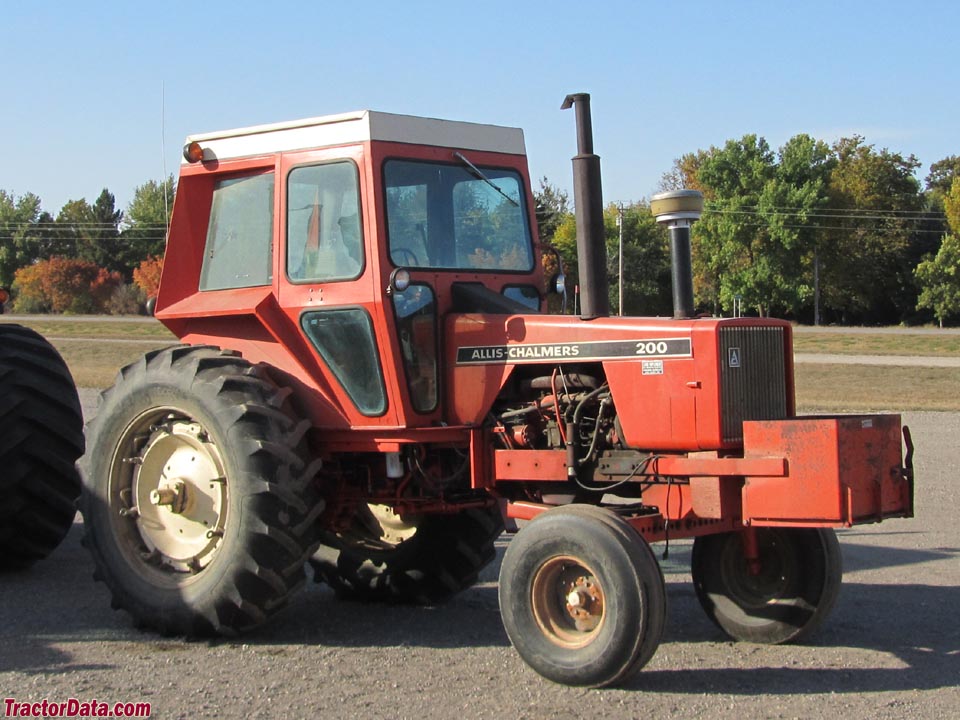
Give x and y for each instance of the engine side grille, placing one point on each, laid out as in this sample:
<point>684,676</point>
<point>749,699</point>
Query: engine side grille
<point>753,382</point>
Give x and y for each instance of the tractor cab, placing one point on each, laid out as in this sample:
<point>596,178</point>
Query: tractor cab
<point>333,247</point>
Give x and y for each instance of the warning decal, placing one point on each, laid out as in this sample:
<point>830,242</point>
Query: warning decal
<point>602,350</point>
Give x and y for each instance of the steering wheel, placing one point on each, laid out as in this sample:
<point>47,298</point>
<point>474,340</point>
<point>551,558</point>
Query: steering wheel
<point>399,254</point>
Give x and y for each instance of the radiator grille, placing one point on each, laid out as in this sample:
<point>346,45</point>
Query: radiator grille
<point>753,382</point>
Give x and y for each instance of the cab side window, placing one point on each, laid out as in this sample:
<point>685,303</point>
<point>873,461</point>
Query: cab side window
<point>324,239</point>
<point>239,248</point>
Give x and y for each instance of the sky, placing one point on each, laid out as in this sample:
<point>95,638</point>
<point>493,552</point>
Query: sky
<point>102,94</point>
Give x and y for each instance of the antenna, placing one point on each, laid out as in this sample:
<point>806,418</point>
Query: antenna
<point>163,150</point>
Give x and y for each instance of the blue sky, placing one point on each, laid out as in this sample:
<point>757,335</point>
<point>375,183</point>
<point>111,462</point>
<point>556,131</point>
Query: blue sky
<point>82,81</point>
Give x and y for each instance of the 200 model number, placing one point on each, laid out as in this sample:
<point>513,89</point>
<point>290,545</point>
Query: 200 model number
<point>597,350</point>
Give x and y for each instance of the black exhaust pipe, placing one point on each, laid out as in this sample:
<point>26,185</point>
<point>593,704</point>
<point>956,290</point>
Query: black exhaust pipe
<point>678,209</point>
<point>588,199</point>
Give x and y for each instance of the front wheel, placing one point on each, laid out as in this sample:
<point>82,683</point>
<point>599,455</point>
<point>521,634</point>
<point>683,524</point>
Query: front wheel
<point>198,501</point>
<point>582,597</point>
<point>783,597</point>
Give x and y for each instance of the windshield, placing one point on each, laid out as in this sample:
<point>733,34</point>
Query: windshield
<point>444,216</point>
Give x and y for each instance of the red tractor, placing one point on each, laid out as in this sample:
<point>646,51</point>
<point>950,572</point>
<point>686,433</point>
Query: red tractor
<point>369,381</point>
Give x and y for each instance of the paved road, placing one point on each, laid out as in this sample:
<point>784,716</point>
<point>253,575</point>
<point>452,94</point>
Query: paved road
<point>899,360</point>
<point>841,330</point>
<point>891,648</point>
<point>142,319</point>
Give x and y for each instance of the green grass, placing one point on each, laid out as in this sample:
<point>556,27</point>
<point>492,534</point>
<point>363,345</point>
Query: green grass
<point>128,329</point>
<point>846,388</point>
<point>95,364</point>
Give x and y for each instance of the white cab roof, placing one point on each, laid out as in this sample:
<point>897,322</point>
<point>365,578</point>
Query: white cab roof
<point>357,127</point>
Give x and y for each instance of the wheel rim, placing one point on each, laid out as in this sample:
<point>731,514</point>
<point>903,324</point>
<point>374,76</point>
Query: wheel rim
<point>168,494</point>
<point>392,528</point>
<point>567,601</point>
<point>771,584</point>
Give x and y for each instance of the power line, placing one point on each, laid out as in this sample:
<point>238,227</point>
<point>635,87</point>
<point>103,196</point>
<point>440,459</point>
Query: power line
<point>864,216</point>
<point>837,210</point>
<point>843,212</point>
<point>847,228</point>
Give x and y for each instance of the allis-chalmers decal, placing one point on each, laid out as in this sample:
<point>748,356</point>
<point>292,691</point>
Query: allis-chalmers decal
<point>602,350</point>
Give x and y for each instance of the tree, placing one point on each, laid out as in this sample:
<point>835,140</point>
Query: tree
<point>73,228</point>
<point>553,210</point>
<point>103,246</point>
<point>65,285</point>
<point>565,242</point>
<point>938,276</point>
<point>733,253</point>
<point>790,205</point>
<point>646,261</point>
<point>951,206</point>
<point>147,276</point>
<point>19,241</point>
<point>553,207</point>
<point>943,173</point>
<point>147,217</point>
<point>29,296</point>
<point>875,199</point>
<point>939,279</point>
<point>684,175</point>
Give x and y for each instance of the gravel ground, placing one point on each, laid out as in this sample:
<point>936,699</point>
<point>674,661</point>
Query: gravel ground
<point>891,648</point>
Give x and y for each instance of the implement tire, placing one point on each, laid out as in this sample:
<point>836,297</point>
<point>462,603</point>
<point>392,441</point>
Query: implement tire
<point>41,437</point>
<point>198,502</point>
<point>785,599</point>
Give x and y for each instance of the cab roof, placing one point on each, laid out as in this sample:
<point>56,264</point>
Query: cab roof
<point>357,127</point>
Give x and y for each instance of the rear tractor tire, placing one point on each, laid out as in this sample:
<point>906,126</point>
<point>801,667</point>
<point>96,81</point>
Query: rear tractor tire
<point>784,599</point>
<point>41,438</point>
<point>198,501</point>
<point>424,560</point>
<point>582,597</point>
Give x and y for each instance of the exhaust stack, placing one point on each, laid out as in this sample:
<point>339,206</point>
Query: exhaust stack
<point>588,199</point>
<point>678,209</point>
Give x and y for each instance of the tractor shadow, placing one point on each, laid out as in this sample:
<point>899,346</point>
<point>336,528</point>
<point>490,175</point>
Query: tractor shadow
<point>914,624</point>
<point>49,611</point>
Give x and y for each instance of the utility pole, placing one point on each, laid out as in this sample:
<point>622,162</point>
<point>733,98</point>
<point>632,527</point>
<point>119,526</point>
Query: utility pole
<point>620,225</point>
<point>816,285</point>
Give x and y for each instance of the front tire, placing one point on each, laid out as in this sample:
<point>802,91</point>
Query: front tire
<point>582,597</point>
<point>198,502</point>
<point>784,599</point>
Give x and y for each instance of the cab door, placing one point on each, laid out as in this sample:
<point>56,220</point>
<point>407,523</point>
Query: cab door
<point>327,281</point>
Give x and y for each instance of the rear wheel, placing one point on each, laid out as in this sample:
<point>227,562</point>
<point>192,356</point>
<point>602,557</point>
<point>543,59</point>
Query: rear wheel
<point>582,597</point>
<point>41,437</point>
<point>782,598</point>
<point>198,503</point>
<point>427,559</point>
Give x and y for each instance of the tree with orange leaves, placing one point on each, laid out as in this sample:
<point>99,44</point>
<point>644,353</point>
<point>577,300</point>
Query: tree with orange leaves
<point>147,275</point>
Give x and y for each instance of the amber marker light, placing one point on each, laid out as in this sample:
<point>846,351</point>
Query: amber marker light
<point>192,152</point>
<point>399,281</point>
